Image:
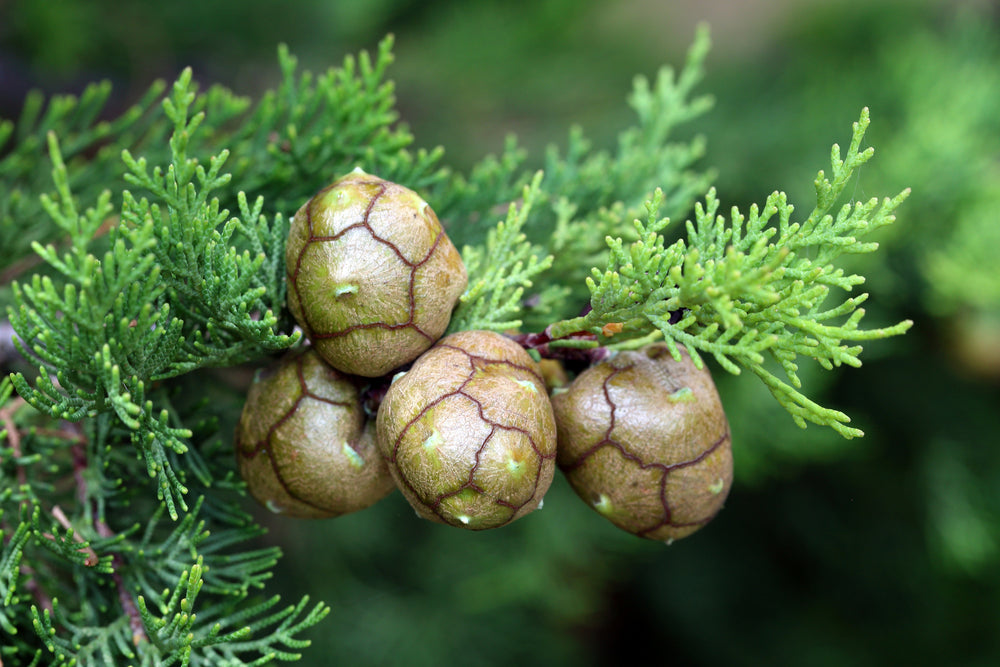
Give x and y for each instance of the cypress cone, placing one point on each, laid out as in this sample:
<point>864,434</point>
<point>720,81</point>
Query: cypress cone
<point>644,440</point>
<point>372,276</point>
<point>469,433</point>
<point>304,444</point>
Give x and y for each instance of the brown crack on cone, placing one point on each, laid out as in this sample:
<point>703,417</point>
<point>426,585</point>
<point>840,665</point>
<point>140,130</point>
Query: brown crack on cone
<point>372,275</point>
<point>469,433</point>
<point>303,444</point>
<point>644,440</point>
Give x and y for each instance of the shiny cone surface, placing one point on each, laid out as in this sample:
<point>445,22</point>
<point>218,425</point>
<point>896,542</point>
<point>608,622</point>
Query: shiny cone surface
<point>643,439</point>
<point>372,276</point>
<point>469,433</point>
<point>303,444</point>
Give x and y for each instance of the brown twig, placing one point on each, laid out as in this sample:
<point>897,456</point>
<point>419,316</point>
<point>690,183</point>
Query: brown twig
<point>124,598</point>
<point>117,563</point>
<point>60,516</point>
<point>29,580</point>
<point>542,342</point>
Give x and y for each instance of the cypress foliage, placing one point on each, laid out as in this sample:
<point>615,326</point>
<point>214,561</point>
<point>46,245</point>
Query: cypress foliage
<point>146,250</point>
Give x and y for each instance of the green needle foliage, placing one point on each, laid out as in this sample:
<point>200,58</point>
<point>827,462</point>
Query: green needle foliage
<point>748,287</point>
<point>586,194</point>
<point>495,289</point>
<point>158,242</point>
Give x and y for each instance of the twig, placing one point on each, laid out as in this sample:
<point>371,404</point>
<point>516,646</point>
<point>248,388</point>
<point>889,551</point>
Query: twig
<point>578,346</point>
<point>117,563</point>
<point>60,516</point>
<point>14,436</point>
<point>124,598</point>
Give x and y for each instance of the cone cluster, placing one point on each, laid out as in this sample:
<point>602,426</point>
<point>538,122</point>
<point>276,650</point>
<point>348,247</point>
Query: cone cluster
<point>467,429</point>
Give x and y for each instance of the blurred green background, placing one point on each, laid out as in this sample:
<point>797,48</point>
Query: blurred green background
<point>883,550</point>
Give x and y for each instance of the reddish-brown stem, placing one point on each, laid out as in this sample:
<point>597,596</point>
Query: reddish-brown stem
<point>542,343</point>
<point>124,598</point>
<point>60,516</point>
<point>14,436</point>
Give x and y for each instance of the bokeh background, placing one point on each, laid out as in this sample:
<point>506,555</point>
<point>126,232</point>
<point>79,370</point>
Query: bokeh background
<point>882,550</point>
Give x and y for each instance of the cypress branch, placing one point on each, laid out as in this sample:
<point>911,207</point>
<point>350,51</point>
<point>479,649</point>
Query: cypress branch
<point>750,288</point>
<point>162,254</point>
